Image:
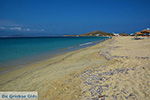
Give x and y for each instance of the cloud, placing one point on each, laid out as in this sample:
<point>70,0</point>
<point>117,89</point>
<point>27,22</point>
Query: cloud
<point>20,29</point>
<point>16,28</point>
<point>27,29</point>
<point>10,25</point>
<point>42,29</point>
<point>2,28</point>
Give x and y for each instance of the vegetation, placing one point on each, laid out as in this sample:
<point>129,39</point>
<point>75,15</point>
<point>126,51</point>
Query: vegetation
<point>97,33</point>
<point>124,34</point>
<point>94,33</point>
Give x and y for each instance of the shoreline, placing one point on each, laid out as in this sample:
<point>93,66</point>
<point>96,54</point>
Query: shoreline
<point>44,72</point>
<point>111,69</point>
<point>26,61</point>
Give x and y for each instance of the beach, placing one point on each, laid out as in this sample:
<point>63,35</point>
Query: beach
<point>116,69</point>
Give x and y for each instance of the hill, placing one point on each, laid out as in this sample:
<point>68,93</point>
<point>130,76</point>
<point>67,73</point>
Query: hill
<point>97,33</point>
<point>94,33</point>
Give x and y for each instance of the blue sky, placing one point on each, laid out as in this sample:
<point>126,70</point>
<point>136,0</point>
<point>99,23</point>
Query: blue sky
<point>57,17</point>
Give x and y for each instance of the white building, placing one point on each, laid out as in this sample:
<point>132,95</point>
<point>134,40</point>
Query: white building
<point>116,34</point>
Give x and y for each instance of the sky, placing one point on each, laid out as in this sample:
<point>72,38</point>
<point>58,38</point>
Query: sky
<point>59,17</point>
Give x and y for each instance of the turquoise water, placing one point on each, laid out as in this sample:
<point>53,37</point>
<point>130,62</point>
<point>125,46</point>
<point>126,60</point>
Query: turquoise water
<point>18,48</point>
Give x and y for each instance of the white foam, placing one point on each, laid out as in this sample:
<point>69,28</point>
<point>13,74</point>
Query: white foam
<point>86,43</point>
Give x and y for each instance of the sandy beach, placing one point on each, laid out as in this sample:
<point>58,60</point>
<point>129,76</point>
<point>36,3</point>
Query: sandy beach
<point>116,69</point>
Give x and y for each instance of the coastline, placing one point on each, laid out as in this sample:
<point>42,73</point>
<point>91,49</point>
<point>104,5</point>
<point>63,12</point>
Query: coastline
<point>26,61</point>
<point>66,77</point>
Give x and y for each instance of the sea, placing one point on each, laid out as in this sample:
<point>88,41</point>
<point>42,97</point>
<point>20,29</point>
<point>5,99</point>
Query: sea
<point>24,50</point>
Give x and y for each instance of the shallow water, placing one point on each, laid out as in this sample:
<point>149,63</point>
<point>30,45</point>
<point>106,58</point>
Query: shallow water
<point>20,50</point>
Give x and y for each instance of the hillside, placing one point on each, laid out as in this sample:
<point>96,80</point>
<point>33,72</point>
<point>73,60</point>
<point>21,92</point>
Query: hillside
<point>94,33</point>
<point>97,33</point>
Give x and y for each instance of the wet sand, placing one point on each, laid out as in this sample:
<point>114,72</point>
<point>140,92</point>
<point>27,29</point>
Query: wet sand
<point>116,69</point>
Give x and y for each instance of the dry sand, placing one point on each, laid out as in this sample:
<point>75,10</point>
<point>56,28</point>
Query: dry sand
<point>117,69</point>
<point>126,75</point>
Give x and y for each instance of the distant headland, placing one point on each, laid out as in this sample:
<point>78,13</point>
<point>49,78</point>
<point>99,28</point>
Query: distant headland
<point>94,33</point>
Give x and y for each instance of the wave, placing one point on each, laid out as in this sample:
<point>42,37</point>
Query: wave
<point>86,43</point>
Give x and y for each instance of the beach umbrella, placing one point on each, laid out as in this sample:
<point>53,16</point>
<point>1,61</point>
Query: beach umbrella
<point>145,31</point>
<point>139,33</point>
